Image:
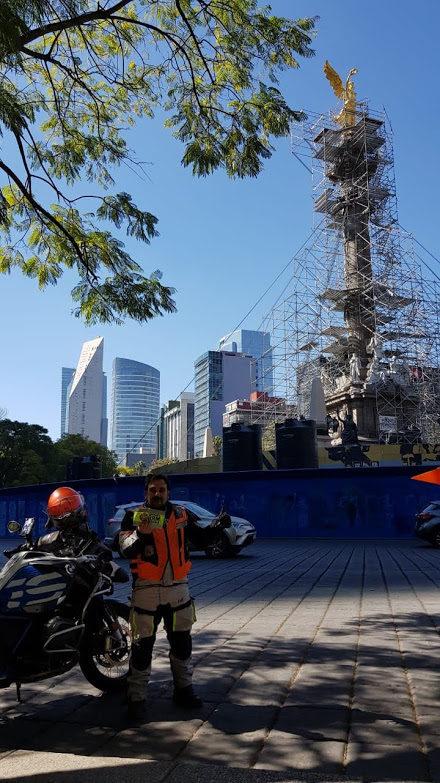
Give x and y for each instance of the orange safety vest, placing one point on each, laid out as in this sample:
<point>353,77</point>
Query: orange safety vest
<point>167,543</point>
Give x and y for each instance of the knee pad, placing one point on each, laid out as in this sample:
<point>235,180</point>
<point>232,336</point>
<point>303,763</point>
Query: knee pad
<point>141,652</point>
<point>180,644</point>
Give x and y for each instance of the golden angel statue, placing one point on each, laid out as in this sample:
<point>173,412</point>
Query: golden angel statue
<point>348,114</point>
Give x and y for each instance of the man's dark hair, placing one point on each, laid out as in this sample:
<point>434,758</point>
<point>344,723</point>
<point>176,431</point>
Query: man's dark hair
<point>153,476</point>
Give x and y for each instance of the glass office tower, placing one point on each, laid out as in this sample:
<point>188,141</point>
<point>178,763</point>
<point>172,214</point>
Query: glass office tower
<point>67,374</point>
<point>220,377</point>
<point>135,404</point>
<point>255,344</point>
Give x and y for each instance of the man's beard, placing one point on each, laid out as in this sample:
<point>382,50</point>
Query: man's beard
<point>157,503</point>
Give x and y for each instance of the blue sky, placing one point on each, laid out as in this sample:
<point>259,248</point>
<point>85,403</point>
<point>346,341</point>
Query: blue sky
<point>222,243</point>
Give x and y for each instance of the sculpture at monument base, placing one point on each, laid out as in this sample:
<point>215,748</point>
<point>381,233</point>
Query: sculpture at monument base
<point>355,369</point>
<point>376,374</point>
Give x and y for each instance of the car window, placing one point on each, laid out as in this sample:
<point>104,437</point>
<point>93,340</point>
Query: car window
<point>120,510</point>
<point>195,508</point>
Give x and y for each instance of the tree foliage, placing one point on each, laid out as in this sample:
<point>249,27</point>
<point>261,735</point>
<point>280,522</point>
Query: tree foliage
<point>122,470</point>
<point>139,467</point>
<point>26,453</point>
<point>70,446</point>
<point>75,75</point>
<point>29,456</point>
<point>217,443</point>
<point>156,464</point>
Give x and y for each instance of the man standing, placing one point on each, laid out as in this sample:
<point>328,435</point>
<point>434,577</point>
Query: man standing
<point>154,538</point>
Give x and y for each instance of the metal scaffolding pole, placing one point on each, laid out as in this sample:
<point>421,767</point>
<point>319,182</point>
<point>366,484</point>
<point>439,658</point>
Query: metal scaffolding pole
<point>359,313</point>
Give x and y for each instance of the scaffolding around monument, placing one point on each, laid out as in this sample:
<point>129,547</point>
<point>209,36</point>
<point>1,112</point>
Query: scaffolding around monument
<point>361,312</point>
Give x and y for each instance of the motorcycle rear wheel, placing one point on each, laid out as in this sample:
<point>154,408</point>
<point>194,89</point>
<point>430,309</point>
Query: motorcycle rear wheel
<point>104,659</point>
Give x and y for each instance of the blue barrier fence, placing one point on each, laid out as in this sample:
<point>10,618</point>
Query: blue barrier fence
<point>339,503</point>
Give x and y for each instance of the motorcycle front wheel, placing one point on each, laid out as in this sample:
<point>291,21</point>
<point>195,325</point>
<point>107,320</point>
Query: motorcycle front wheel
<point>105,653</point>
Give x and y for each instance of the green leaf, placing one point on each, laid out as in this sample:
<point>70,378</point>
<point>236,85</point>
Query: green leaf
<point>76,75</point>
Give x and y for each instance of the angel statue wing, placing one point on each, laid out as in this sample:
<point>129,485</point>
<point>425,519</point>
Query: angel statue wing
<point>335,80</point>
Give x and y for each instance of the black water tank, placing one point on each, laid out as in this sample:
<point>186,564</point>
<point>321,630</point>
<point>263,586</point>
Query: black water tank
<point>241,447</point>
<point>296,444</point>
<point>83,468</point>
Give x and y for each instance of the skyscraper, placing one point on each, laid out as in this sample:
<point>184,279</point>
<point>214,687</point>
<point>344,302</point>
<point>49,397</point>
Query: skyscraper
<point>135,402</point>
<point>257,345</point>
<point>220,377</point>
<point>86,393</point>
<point>67,374</point>
<point>104,419</point>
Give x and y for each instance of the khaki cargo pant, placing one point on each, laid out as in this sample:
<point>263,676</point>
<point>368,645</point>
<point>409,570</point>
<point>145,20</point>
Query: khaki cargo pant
<point>150,604</point>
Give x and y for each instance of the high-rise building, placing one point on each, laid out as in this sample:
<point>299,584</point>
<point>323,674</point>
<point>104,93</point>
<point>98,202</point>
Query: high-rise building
<point>179,428</point>
<point>135,403</point>
<point>255,344</point>
<point>67,374</point>
<point>220,377</point>
<point>86,393</point>
<point>161,429</point>
<point>104,419</point>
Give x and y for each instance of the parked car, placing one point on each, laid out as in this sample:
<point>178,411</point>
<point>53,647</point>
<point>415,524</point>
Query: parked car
<point>214,539</point>
<point>428,523</point>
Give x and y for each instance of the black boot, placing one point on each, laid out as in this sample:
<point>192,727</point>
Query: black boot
<point>185,697</point>
<point>135,711</point>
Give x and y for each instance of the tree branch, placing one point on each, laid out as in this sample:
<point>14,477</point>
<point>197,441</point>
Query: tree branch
<point>194,37</point>
<point>76,21</point>
<point>39,209</point>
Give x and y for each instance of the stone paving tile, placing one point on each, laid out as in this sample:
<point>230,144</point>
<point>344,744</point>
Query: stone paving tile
<point>371,728</point>
<point>298,648</point>
<point>283,751</point>
<point>14,732</point>
<point>377,762</point>
<point>389,706</point>
<point>154,740</point>
<point>50,706</point>
<point>106,710</point>
<point>232,736</point>
<point>68,738</point>
<point>211,685</point>
<point>312,724</point>
<point>73,768</point>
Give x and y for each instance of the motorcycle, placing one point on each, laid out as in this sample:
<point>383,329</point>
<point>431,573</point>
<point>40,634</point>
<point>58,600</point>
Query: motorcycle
<point>55,612</point>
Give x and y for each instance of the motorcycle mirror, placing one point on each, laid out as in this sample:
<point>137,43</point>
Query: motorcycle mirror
<point>13,526</point>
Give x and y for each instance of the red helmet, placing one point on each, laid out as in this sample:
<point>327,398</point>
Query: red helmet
<point>66,508</point>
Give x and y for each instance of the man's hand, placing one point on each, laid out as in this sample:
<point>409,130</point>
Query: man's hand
<point>145,528</point>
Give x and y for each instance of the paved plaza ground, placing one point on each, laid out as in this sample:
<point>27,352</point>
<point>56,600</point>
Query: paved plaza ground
<point>316,660</point>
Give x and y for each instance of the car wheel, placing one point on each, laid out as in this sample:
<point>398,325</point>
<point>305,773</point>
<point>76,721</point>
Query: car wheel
<point>436,538</point>
<point>218,547</point>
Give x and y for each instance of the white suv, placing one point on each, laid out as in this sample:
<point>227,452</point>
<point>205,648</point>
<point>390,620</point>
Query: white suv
<point>217,540</point>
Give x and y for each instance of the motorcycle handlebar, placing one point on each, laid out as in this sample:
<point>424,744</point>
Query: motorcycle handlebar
<point>101,560</point>
<point>20,548</point>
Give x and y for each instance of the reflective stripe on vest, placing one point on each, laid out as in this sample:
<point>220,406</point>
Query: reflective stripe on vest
<point>169,543</point>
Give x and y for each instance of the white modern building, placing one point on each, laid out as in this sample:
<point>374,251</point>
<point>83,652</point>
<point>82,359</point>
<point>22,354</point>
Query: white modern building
<point>179,428</point>
<point>85,406</point>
